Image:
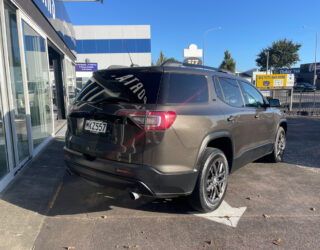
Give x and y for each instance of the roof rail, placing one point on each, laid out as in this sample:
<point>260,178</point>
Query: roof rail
<point>180,64</point>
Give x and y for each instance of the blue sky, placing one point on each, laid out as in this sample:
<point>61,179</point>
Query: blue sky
<point>247,25</point>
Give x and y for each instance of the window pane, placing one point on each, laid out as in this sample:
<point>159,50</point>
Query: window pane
<point>252,96</point>
<point>38,84</point>
<point>231,92</point>
<point>218,89</point>
<point>184,88</point>
<point>20,118</point>
<point>4,169</point>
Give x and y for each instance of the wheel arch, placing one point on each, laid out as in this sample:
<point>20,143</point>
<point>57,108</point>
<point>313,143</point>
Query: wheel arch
<point>283,123</point>
<point>221,140</point>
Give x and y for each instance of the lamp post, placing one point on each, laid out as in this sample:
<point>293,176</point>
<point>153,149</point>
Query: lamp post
<point>204,40</point>
<point>315,55</point>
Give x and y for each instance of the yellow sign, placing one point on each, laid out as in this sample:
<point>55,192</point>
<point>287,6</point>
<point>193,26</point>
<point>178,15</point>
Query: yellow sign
<point>275,81</point>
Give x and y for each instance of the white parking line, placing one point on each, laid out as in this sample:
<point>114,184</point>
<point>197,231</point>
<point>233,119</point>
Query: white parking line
<point>225,214</point>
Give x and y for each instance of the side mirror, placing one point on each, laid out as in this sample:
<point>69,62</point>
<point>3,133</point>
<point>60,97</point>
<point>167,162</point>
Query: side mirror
<point>274,103</point>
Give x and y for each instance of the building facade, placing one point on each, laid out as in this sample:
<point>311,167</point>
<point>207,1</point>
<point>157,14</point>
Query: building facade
<point>37,58</point>
<point>100,46</point>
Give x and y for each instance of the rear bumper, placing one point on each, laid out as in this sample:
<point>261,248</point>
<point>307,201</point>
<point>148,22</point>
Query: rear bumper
<point>137,178</point>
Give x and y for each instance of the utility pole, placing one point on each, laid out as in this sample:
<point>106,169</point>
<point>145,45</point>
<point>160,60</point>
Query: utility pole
<point>267,54</point>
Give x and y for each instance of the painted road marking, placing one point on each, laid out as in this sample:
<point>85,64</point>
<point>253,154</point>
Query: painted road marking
<point>56,195</point>
<point>225,214</point>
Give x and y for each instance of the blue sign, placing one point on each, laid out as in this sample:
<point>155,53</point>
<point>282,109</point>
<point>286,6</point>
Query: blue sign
<point>86,67</point>
<point>57,15</point>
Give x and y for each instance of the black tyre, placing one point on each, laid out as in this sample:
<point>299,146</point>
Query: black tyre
<point>212,181</point>
<point>279,146</point>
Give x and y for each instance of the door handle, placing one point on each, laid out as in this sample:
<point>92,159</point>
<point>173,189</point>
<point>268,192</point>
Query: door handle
<point>231,118</point>
<point>256,116</point>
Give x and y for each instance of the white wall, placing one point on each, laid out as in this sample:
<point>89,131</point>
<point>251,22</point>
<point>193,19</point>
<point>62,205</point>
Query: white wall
<point>112,31</point>
<point>104,60</point>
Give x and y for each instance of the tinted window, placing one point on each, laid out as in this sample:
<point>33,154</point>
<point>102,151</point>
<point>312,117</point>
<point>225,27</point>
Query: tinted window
<point>132,85</point>
<point>252,97</point>
<point>231,92</point>
<point>218,89</point>
<point>184,88</point>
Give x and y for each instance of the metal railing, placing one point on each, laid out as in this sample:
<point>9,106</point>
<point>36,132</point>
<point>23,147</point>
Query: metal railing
<point>303,103</point>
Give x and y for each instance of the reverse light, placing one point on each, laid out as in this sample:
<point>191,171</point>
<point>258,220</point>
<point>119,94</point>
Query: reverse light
<point>151,120</point>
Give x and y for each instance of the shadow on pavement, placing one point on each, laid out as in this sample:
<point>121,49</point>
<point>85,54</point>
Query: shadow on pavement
<point>80,196</point>
<point>36,187</point>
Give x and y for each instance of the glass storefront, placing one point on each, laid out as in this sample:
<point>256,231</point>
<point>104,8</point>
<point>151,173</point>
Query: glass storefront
<point>38,84</point>
<point>4,168</point>
<point>26,100</point>
<point>20,117</point>
<point>71,81</point>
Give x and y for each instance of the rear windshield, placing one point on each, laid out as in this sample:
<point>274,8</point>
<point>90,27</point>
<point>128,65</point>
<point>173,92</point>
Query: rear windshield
<point>142,87</point>
<point>132,85</point>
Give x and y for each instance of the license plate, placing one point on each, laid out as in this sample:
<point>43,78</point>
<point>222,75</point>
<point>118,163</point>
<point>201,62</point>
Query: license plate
<point>95,126</point>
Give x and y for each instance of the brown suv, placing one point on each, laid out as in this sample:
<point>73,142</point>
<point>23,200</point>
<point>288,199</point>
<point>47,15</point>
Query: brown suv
<point>173,130</point>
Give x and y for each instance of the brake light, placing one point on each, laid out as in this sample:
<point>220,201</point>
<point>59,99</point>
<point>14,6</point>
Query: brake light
<point>151,120</point>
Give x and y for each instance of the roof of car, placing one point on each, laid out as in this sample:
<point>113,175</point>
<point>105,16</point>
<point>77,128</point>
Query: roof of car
<point>171,66</point>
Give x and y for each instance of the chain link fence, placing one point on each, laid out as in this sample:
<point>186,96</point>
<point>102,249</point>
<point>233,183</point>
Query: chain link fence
<point>303,103</point>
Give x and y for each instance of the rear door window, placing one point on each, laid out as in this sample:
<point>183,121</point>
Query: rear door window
<point>231,92</point>
<point>129,85</point>
<point>183,88</point>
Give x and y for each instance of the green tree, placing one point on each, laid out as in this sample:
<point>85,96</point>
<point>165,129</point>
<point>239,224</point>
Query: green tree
<point>162,58</point>
<point>228,62</point>
<point>282,54</point>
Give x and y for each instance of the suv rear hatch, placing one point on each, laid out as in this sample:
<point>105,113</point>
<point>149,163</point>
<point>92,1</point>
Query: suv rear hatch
<point>111,114</point>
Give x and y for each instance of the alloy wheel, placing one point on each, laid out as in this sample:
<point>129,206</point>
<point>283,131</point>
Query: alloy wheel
<point>281,144</point>
<point>216,181</point>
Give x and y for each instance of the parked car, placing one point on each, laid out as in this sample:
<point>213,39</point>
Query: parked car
<point>304,87</point>
<point>171,130</point>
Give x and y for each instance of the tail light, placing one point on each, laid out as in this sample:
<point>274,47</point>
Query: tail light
<point>151,120</point>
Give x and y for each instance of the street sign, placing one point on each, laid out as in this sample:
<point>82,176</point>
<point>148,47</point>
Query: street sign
<point>86,67</point>
<point>193,60</point>
<point>275,81</point>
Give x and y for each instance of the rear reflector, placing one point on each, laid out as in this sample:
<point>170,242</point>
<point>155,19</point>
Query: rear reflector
<point>151,120</point>
<point>67,155</point>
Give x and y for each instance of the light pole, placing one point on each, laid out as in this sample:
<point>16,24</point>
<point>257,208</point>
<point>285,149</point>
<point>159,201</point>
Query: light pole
<point>315,55</point>
<point>204,40</point>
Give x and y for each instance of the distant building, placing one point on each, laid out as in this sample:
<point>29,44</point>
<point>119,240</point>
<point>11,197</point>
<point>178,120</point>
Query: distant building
<point>100,46</point>
<point>307,73</point>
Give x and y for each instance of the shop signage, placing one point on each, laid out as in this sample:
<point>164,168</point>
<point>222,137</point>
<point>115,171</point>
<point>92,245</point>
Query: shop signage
<point>275,81</point>
<point>193,60</point>
<point>309,67</point>
<point>47,7</point>
<point>57,15</point>
<point>86,67</point>
<point>192,51</point>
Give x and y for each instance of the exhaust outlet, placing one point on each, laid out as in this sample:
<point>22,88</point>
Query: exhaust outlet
<point>134,196</point>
